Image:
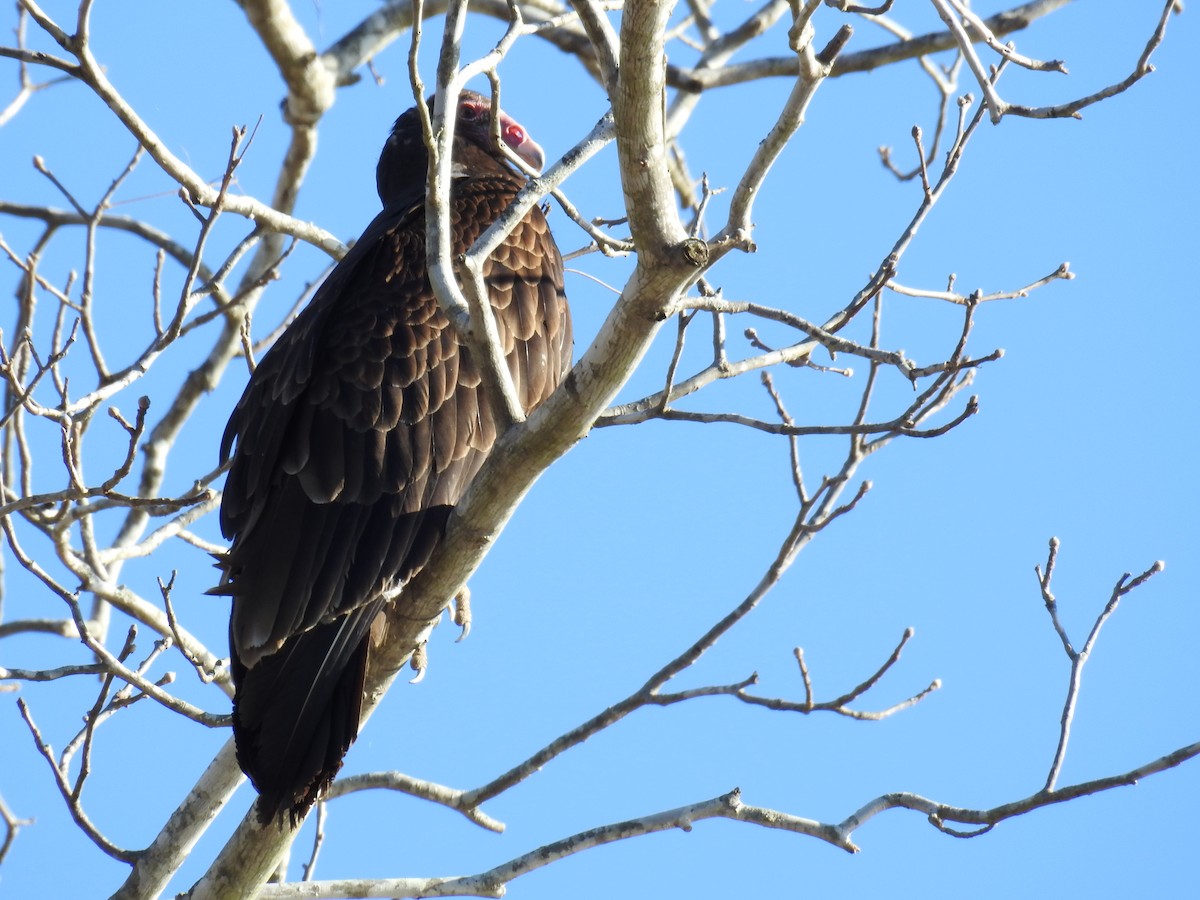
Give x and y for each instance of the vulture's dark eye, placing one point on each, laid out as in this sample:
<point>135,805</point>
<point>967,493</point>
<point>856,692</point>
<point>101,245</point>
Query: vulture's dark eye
<point>469,112</point>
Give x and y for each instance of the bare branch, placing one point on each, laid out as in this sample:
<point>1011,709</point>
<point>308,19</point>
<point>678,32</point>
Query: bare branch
<point>458,800</point>
<point>492,882</point>
<point>1015,19</point>
<point>940,813</point>
<point>92,74</point>
<point>72,800</point>
<point>951,10</point>
<point>12,824</point>
<point>1079,658</point>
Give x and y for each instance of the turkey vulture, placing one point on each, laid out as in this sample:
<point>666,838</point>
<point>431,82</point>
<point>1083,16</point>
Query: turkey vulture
<point>357,434</point>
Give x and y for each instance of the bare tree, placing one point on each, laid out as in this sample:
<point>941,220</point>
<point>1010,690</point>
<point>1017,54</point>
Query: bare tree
<point>105,382</point>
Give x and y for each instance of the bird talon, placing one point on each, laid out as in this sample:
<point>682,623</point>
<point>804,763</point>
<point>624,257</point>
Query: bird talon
<point>461,614</point>
<point>419,663</point>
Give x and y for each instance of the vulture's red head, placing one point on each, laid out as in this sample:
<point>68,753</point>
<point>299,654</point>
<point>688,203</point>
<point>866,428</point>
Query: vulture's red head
<point>400,176</point>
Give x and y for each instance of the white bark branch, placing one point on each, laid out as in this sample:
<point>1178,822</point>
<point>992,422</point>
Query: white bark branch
<point>492,883</point>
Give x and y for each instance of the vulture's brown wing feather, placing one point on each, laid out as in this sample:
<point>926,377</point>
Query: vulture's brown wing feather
<point>357,434</point>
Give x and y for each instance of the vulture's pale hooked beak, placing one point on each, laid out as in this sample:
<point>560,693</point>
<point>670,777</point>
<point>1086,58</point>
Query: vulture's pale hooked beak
<point>522,144</point>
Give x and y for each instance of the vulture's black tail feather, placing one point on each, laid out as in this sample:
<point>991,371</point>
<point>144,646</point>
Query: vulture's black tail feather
<point>297,712</point>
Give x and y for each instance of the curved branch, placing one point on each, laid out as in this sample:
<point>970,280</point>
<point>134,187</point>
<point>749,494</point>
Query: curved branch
<point>91,73</point>
<point>492,882</point>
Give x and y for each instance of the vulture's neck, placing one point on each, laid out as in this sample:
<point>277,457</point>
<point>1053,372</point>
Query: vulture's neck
<point>400,177</point>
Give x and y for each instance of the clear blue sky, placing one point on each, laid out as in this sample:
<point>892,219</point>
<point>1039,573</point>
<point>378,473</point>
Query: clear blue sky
<point>641,537</point>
